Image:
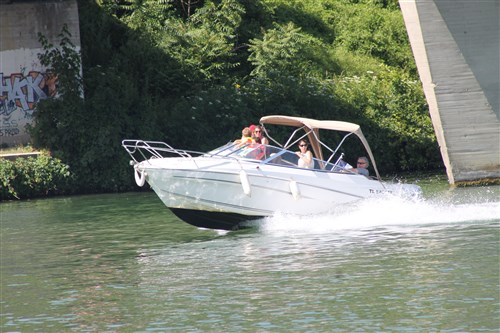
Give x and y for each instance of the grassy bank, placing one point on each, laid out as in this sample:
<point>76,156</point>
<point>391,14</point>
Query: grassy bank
<point>32,176</point>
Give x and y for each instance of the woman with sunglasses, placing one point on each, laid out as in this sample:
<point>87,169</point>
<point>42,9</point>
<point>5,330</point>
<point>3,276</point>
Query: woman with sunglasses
<point>305,155</point>
<point>257,135</point>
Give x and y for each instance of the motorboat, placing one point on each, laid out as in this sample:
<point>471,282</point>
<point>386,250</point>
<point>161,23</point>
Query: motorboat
<point>233,185</point>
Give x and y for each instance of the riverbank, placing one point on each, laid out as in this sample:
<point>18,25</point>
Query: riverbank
<point>12,157</point>
<point>29,174</point>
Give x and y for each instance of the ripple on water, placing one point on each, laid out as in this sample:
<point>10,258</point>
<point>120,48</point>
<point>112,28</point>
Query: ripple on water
<point>393,264</point>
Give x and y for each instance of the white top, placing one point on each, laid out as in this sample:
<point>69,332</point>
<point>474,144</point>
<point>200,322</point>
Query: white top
<point>303,164</point>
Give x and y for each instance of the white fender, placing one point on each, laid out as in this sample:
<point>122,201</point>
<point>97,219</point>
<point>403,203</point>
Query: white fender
<point>294,188</point>
<point>245,183</point>
<point>140,176</point>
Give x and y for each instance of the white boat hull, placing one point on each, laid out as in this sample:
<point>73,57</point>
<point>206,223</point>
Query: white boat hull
<point>248,189</point>
<point>245,180</point>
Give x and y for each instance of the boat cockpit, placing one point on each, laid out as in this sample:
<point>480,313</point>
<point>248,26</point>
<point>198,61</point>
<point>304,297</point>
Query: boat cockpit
<point>273,155</point>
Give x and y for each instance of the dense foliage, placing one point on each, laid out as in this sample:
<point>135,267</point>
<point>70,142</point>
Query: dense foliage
<point>193,73</point>
<point>33,177</point>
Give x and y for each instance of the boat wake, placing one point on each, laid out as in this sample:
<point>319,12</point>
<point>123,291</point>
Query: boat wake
<point>390,210</point>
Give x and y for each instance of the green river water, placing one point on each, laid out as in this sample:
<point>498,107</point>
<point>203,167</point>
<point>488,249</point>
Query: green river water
<point>124,263</point>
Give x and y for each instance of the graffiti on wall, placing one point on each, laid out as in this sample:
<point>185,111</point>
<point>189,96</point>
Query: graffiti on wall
<point>19,95</point>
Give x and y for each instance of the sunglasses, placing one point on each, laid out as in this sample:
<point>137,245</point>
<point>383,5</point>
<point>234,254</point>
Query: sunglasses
<point>302,145</point>
<point>361,162</point>
<point>256,131</point>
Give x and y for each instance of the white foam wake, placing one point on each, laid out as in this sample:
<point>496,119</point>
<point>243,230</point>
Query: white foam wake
<point>389,210</point>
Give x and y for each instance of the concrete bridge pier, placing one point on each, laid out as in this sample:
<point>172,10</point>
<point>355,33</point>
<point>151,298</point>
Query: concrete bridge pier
<point>456,49</point>
<point>23,79</point>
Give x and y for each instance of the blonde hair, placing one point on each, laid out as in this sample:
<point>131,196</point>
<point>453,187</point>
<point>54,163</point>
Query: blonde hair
<point>246,132</point>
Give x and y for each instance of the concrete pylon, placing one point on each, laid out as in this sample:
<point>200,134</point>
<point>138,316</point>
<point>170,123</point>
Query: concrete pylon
<point>23,80</point>
<point>456,49</point>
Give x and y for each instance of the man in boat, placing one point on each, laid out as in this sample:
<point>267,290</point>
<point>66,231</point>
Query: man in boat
<point>362,166</point>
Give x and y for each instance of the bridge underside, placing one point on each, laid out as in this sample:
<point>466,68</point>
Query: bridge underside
<point>456,49</point>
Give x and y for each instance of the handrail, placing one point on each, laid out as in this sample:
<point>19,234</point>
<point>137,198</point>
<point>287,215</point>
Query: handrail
<point>158,149</point>
<point>155,149</point>
<point>141,150</point>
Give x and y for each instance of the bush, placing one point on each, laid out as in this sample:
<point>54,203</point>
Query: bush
<point>390,108</point>
<point>32,177</point>
<point>195,78</point>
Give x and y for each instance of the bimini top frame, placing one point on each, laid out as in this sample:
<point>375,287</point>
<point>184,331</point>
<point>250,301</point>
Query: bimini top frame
<point>312,127</point>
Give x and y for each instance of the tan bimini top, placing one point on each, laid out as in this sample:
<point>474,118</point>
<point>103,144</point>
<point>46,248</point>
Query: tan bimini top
<point>315,125</point>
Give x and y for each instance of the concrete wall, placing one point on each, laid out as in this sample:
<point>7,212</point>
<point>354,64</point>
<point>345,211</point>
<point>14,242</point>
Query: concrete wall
<point>456,48</point>
<point>23,81</point>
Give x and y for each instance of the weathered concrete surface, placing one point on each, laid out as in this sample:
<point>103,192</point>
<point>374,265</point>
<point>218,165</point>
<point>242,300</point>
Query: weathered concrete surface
<point>23,81</point>
<point>456,48</point>
<point>13,157</point>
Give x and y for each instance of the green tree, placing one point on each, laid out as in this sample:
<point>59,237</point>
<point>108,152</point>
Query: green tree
<point>286,50</point>
<point>205,43</point>
<point>194,73</point>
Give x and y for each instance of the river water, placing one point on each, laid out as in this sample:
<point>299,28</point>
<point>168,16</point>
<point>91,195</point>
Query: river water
<point>124,263</point>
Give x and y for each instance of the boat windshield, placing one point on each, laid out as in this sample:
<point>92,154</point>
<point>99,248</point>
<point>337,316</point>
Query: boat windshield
<point>273,155</point>
<point>225,150</point>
